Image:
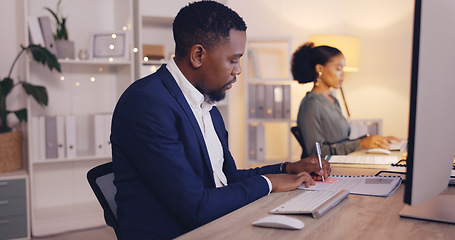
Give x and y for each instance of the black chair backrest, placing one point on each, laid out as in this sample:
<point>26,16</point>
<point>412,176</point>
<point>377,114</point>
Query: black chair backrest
<point>296,132</point>
<point>101,180</point>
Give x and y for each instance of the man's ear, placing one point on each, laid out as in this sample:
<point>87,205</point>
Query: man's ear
<point>197,55</point>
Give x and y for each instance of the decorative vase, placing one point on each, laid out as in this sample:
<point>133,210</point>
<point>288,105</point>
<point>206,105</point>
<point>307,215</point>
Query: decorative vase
<point>10,151</point>
<point>65,49</point>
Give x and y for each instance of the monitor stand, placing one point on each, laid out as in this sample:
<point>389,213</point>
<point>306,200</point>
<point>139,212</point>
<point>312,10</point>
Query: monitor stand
<point>440,208</point>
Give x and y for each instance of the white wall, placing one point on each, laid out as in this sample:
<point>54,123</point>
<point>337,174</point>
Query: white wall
<point>380,89</point>
<point>12,33</point>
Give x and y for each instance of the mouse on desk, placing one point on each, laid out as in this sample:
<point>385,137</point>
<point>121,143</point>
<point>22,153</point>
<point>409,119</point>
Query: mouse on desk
<point>379,151</point>
<point>279,221</point>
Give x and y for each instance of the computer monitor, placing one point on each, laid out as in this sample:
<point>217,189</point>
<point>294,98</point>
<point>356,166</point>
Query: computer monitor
<point>431,139</point>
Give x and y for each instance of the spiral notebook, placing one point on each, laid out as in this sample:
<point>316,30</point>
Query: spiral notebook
<point>381,186</point>
<point>373,159</point>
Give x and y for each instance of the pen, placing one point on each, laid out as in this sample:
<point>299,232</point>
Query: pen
<point>318,152</point>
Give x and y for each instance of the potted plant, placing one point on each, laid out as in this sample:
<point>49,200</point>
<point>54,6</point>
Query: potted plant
<point>11,141</point>
<point>65,47</point>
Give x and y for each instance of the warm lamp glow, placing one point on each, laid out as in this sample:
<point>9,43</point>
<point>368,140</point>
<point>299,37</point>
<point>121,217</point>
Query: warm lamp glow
<point>348,45</point>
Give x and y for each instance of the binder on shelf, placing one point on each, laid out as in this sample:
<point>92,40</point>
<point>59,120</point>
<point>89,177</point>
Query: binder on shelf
<point>252,101</point>
<point>286,101</point>
<point>252,142</point>
<point>36,36</point>
<point>98,120</point>
<point>260,101</point>
<point>260,142</point>
<point>35,137</point>
<point>70,133</point>
<point>45,24</point>
<point>107,134</point>
<point>278,101</point>
<point>51,137</point>
<point>42,138</point>
<point>60,136</point>
<point>268,101</point>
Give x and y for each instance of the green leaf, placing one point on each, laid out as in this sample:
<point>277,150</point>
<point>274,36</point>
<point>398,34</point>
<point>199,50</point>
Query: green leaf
<point>53,14</point>
<point>39,93</point>
<point>63,32</point>
<point>6,85</point>
<point>21,114</point>
<point>43,56</point>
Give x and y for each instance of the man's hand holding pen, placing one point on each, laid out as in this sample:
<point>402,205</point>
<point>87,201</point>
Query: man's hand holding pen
<point>311,166</point>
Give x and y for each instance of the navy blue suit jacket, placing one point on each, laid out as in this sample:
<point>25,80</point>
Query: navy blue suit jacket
<point>162,170</point>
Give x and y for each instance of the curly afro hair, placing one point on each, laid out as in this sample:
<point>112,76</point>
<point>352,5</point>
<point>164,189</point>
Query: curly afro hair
<point>305,59</point>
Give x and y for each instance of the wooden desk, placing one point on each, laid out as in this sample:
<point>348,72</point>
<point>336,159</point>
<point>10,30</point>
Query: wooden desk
<point>357,217</point>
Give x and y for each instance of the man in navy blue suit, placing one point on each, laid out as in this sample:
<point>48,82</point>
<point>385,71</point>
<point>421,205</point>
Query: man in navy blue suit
<point>172,165</point>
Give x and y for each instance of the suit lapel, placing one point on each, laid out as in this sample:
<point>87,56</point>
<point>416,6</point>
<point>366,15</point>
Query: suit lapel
<point>175,91</point>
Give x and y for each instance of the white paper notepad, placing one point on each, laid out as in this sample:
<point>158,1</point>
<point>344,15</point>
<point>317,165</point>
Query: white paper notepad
<point>362,159</point>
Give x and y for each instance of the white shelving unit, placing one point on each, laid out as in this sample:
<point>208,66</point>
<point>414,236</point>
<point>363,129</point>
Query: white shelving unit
<point>153,25</point>
<point>267,63</point>
<point>61,198</point>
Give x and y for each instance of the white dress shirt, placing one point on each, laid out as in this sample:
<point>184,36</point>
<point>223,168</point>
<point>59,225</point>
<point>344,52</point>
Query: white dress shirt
<point>201,110</point>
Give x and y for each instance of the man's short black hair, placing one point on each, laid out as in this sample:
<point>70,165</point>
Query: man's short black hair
<point>207,23</point>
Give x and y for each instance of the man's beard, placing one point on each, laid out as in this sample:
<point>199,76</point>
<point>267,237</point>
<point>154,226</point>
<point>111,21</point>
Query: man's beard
<point>215,96</point>
<point>218,95</point>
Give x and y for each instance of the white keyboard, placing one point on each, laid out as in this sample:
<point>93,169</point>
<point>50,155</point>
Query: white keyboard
<point>316,203</point>
<point>398,146</point>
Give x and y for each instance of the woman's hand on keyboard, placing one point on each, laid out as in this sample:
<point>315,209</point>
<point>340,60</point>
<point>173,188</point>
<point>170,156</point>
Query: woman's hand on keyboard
<point>286,182</point>
<point>376,141</point>
<point>310,165</point>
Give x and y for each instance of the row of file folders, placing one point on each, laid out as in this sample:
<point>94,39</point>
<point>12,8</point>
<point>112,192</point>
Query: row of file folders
<point>269,101</point>
<point>256,142</point>
<point>60,137</point>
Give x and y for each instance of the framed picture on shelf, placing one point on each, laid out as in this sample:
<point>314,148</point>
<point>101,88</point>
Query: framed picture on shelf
<point>109,45</point>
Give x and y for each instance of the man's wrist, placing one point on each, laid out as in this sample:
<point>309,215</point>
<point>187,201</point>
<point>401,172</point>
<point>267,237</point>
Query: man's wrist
<point>283,167</point>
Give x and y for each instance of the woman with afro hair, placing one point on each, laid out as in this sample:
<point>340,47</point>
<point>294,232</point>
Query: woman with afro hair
<point>320,118</point>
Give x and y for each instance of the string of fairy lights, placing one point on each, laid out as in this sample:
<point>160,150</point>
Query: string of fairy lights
<point>111,46</point>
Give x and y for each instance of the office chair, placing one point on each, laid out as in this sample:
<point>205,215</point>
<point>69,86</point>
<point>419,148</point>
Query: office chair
<point>101,180</point>
<point>296,132</point>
